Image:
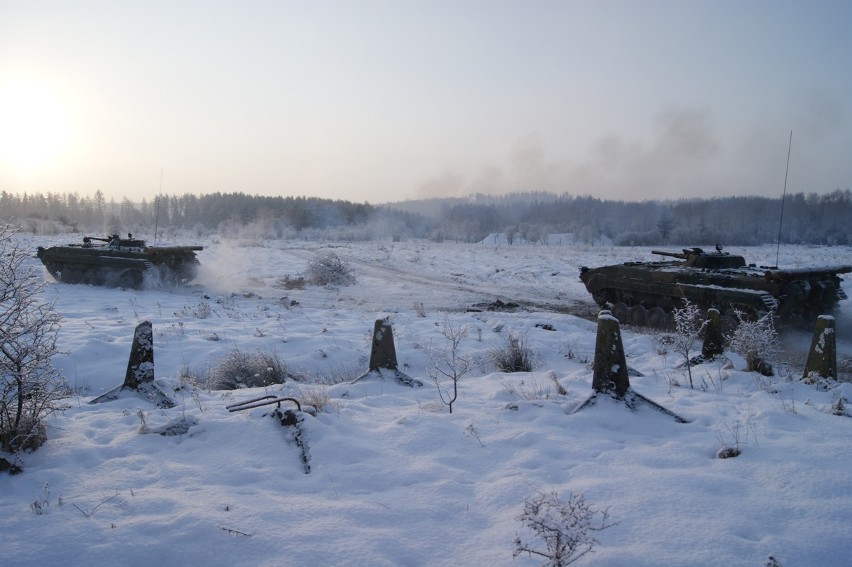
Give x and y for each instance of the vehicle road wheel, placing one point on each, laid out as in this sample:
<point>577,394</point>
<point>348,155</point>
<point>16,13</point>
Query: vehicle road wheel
<point>69,274</point>
<point>55,269</point>
<point>638,316</point>
<point>130,279</point>
<point>89,277</point>
<point>620,311</point>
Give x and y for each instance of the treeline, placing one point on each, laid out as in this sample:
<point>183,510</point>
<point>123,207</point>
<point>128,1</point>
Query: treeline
<point>228,213</point>
<point>805,219</point>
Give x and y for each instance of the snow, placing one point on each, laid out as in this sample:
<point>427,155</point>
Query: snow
<point>395,479</point>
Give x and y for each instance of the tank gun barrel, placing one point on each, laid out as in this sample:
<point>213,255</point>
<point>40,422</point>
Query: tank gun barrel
<point>680,255</point>
<point>87,239</point>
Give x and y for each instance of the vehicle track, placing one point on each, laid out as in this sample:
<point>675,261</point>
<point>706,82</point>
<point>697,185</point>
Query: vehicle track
<point>479,293</point>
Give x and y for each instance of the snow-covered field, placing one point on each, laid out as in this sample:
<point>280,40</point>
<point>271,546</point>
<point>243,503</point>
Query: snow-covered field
<point>395,479</point>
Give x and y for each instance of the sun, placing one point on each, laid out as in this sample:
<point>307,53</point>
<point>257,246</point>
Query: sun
<point>33,126</point>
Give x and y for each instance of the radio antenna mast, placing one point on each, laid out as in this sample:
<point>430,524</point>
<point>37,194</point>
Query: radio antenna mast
<point>157,214</point>
<point>783,197</point>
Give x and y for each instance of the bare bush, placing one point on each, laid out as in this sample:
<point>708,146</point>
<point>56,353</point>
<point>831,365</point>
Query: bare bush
<point>240,369</point>
<point>329,269</point>
<point>291,282</point>
<point>757,342</point>
<point>689,324</point>
<point>201,310</point>
<point>514,356</point>
<point>565,528</point>
<point>419,309</point>
<point>732,434</point>
<point>447,362</point>
<point>333,375</point>
<point>191,382</point>
<point>533,391</point>
<point>29,326</point>
<point>316,396</point>
<point>40,505</point>
<point>838,406</point>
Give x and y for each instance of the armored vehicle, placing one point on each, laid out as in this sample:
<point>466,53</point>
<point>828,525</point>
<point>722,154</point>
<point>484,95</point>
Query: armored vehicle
<point>646,293</point>
<point>119,262</point>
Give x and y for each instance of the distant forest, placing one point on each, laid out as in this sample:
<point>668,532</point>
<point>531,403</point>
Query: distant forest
<point>522,217</point>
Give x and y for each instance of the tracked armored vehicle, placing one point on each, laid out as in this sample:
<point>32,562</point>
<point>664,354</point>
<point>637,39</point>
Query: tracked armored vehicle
<point>646,293</point>
<point>119,262</point>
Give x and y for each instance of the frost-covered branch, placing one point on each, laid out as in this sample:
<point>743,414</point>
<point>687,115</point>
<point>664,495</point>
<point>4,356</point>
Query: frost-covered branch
<point>447,362</point>
<point>564,528</point>
<point>29,326</point>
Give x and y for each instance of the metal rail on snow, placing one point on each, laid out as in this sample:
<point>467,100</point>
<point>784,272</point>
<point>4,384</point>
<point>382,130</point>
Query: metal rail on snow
<point>288,418</point>
<point>262,401</point>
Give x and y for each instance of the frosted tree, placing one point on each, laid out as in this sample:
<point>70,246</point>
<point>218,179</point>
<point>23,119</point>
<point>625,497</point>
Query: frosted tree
<point>447,364</point>
<point>757,342</point>
<point>563,531</point>
<point>665,224</point>
<point>509,233</point>
<point>29,325</point>
<point>689,324</point>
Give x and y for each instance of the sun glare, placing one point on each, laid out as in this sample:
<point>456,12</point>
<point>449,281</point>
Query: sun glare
<point>33,126</point>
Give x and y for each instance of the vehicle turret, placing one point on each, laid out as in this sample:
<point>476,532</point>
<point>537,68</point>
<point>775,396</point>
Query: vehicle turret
<point>698,258</point>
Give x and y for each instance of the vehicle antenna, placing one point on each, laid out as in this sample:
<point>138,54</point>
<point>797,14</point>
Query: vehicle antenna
<point>783,197</point>
<point>157,214</point>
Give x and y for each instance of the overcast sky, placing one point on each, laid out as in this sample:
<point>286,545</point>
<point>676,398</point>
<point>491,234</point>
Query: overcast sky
<point>390,100</point>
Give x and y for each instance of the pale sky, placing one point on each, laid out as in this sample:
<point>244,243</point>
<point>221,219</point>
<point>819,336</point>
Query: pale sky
<point>389,100</point>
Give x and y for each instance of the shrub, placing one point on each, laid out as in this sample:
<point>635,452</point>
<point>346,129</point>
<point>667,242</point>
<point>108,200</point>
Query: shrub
<point>329,269</point>
<point>239,369</point>
<point>757,342</point>
<point>446,362</point>
<point>689,324</point>
<point>316,396</point>
<point>29,385</point>
<point>732,434</point>
<point>532,390</point>
<point>419,309</point>
<point>564,528</point>
<point>514,356</point>
<point>290,282</point>
<point>199,311</point>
